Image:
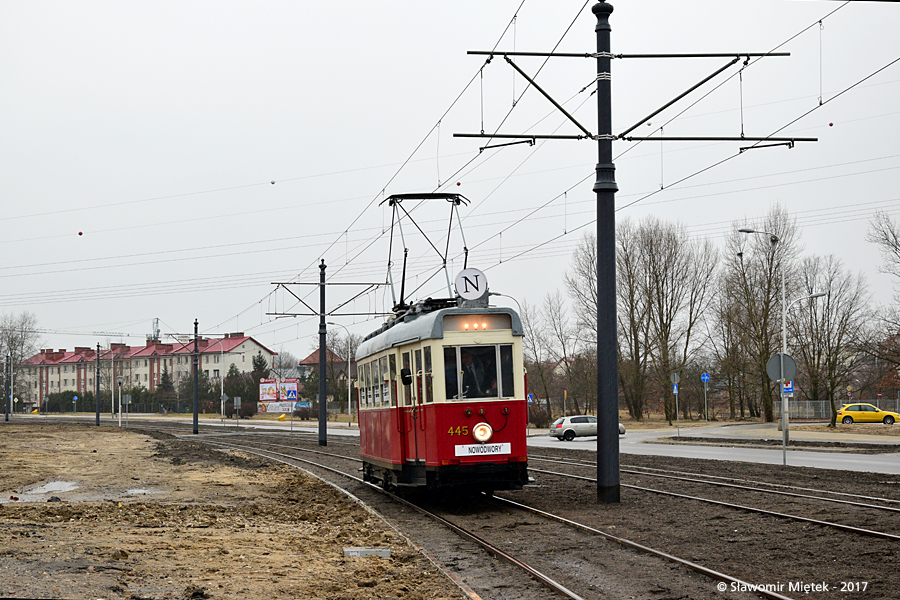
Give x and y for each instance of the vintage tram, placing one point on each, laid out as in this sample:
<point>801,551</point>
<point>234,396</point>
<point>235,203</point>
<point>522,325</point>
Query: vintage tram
<point>441,398</point>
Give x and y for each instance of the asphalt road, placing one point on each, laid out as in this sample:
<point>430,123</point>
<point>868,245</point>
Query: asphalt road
<point>642,442</point>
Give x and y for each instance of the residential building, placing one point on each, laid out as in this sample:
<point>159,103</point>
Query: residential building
<point>50,372</point>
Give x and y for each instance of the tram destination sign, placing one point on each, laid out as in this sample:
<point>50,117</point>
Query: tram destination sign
<point>483,449</point>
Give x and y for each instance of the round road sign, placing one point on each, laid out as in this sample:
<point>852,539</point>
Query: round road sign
<point>773,368</point>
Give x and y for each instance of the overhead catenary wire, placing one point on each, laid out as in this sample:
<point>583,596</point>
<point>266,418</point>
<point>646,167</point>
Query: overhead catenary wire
<point>347,241</point>
<point>409,158</point>
<point>717,163</point>
<point>469,162</point>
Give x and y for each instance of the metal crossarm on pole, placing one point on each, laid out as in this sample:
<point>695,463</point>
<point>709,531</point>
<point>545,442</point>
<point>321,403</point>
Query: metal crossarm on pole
<point>677,98</point>
<point>520,136</point>
<point>548,97</point>
<point>611,55</point>
<point>718,139</point>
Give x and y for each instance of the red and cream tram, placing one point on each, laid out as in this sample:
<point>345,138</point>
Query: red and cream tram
<point>441,395</point>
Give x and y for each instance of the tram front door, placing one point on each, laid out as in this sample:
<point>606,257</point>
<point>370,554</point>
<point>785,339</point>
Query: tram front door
<point>411,414</point>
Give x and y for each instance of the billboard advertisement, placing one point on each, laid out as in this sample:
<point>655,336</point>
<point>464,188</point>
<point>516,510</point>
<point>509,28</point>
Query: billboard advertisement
<point>274,390</point>
<point>274,407</point>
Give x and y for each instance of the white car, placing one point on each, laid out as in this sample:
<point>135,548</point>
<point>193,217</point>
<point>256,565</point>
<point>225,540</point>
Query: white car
<point>568,428</point>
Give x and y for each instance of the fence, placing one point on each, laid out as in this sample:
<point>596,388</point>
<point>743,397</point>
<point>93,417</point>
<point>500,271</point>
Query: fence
<point>821,409</point>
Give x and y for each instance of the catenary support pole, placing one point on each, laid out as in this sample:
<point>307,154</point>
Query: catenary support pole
<point>323,401</point>
<point>196,378</point>
<point>6,387</point>
<point>605,187</point>
<point>97,388</point>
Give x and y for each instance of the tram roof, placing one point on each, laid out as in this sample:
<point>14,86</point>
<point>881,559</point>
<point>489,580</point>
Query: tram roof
<point>414,327</point>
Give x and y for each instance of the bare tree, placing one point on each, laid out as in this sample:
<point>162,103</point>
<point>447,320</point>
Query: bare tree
<point>677,286</point>
<point>284,365</point>
<point>633,307</point>
<point>19,340</point>
<point>565,344</point>
<point>886,234</point>
<point>829,331</point>
<point>581,284</point>
<point>341,365</point>
<point>727,343</point>
<point>759,262</point>
<point>538,362</point>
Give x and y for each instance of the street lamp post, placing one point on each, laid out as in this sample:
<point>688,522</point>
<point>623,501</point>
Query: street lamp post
<point>784,308</point>
<point>349,401</point>
<point>119,379</point>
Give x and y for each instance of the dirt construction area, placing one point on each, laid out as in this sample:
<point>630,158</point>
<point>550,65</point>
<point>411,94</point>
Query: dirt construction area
<point>106,513</point>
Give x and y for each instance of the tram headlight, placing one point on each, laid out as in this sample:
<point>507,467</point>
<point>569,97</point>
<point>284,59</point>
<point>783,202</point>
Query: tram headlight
<point>482,432</point>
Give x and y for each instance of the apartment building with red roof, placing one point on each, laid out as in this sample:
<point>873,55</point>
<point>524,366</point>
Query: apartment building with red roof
<point>49,372</point>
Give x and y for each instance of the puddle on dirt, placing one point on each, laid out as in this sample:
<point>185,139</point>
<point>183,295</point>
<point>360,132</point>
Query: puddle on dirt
<point>137,492</point>
<point>54,487</point>
<point>41,492</point>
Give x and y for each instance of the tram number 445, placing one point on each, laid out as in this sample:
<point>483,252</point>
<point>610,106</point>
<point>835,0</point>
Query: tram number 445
<point>464,430</point>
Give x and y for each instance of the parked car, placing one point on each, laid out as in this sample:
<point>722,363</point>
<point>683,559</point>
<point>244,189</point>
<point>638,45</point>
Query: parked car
<point>866,413</point>
<point>568,428</point>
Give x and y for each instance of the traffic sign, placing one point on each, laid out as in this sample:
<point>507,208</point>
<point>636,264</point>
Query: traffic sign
<point>773,367</point>
<point>675,378</point>
<point>789,387</point>
<point>675,388</point>
<point>705,378</point>
<point>530,398</point>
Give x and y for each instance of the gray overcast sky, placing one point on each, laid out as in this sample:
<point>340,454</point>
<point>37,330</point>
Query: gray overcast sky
<point>155,129</point>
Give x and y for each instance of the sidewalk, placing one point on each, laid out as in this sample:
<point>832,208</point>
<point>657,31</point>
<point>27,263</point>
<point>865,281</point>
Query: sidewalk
<point>748,431</point>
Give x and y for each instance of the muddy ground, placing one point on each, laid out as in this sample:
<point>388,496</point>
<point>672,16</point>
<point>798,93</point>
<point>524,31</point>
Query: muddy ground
<point>169,519</point>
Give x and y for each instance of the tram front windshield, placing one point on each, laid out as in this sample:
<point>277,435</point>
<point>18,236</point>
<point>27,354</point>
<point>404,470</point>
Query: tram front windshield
<point>479,372</point>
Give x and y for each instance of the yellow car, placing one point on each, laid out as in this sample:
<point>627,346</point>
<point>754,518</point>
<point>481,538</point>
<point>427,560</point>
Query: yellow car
<point>865,413</point>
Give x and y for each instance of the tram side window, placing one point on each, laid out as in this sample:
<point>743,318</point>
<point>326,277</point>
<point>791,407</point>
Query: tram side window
<point>508,388</point>
<point>367,390</point>
<point>383,380</point>
<point>407,389</point>
<point>376,383</point>
<point>429,383</point>
<point>419,376</point>
<point>478,366</point>
<point>392,359</point>
<point>451,373</point>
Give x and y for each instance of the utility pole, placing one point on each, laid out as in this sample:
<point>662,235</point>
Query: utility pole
<point>605,187</point>
<point>6,386</point>
<point>323,409</point>
<point>97,387</point>
<point>196,377</point>
<point>322,313</point>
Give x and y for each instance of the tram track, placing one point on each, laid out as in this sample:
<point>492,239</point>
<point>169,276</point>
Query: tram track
<point>693,479</point>
<point>741,543</point>
<point>714,480</point>
<point>487,545</point>
<point>732,505</point>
